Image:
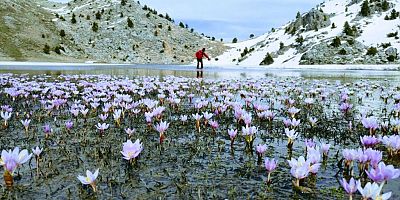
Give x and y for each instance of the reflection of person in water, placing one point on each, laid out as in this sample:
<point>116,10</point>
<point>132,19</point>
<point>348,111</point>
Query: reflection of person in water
<point>200,74</point>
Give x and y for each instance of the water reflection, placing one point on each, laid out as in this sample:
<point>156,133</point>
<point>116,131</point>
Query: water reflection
<point>190,71</point>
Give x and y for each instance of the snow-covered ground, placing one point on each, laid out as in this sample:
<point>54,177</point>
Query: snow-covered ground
<point>374,33</point>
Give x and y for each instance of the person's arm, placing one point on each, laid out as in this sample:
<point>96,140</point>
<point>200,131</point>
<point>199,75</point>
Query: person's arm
<point>206,56</point>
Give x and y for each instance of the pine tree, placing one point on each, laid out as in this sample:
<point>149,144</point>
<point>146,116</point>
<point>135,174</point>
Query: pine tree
<point>95,27</point>
<point>365,11</point>
<point>98,15</point>
<point>336,42</point>
<point>267,60</point>
<point>333,26</point>
<point>347,29</point>
<point>130,23</point>
<point>298,15</point>
<point>73,20</point>
<point>62,33</point>
<point>123,2</point>
<point>235,40</point>
<point>181,25</point>
<point>385,5</point>
<point>46,49</point>
<point>300,40</point>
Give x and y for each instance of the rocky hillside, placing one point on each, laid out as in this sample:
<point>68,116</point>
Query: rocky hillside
<point>112,31</point>
<point>334,32</point>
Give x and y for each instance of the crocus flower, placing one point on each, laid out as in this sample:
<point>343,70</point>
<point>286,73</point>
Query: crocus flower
<point>183,118</point>
<point>102,127</point>
<point>370,123</point>
<point>131,150</point>
<point>25,123</point>
<point>373,191</point>
<point>232,135</point>
<point>313,121</point>
<point>350,187</point>
<point>130,132</point>
<point>90,179</point>
<point>369,141</point>
<point>293,111</point>
<point>292,135</point>
<point>325,149</point>
<point>270,166</point>
<point>37,151</point>
<point>161,128</point>
<point>10,160</point>
<point>6,116</point>
<point>69,125</point>
<point>383,173</point>
<point>47,130</point>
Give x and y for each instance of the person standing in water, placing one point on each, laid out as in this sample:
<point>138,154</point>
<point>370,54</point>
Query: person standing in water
<point>199,55</point>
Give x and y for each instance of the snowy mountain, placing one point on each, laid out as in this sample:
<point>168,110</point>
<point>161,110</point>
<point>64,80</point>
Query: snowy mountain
<point>334,32</point>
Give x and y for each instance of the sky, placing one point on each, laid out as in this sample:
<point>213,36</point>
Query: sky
<point>231,18</point>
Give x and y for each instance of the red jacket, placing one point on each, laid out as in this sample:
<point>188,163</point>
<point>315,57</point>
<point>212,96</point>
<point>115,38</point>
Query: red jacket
<point>200,54</point>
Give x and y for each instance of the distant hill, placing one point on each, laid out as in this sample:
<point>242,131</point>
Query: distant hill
<point>112,31</point>
<point>334,32</point>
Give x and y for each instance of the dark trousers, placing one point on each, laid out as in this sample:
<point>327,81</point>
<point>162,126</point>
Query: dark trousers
<point>199,60</point>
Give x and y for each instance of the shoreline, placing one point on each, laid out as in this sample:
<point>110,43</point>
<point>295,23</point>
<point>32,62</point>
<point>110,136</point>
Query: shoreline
<point>389,67</point>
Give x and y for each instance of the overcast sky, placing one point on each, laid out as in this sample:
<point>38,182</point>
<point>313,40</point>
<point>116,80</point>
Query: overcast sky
<point>231,18</point>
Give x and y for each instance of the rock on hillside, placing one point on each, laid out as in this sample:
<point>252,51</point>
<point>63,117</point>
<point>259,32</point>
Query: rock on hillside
<point>112,31</point>
<point>334,32</point>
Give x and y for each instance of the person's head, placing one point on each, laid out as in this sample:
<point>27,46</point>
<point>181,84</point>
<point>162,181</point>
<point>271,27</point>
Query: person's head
<point>204,49</point>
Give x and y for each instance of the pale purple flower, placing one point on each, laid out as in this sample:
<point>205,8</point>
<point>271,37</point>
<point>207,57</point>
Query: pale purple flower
<point>89,179</point>
<point>232,133</point>
<point>295,123</point>
<point>287,122</point>
<point>102,126</point>
<point>313,121</point>
<point>47,129</point>
<point>12,159</point>
<point>37,151</point>
<point>103,117</point>
<point>369,141</point>
<point>129,131</point>
<point>131,150</point>
<point>345,107</point>
<point>370,123</point>
<point>69,125</point>
<point>162,127</point>
<point>309,143</point>
<point>373,191</point>
<point>183,118</point>
<point>291,134</point>
<point>351,186</point>
<point>214,124</point>
<point>26,123</point>
<point>383,173</point>
<point>261,148</point>
<point>293,111</point>
<point>5,115</point>
<point>325,148</point>
<point>270,164</point>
